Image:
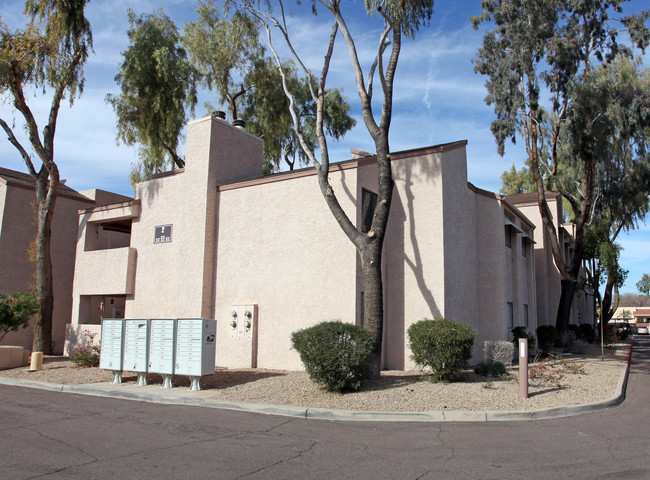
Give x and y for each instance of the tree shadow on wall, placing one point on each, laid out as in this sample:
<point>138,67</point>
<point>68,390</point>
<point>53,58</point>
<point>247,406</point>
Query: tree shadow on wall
<point>403,212</point>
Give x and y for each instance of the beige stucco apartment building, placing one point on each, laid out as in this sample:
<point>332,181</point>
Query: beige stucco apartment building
<point>548,278</point>
<point>17,234</point>
<point>264,256</point>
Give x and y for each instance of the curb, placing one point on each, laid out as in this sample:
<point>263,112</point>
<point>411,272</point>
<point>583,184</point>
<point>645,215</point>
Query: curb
<point>180,397</point>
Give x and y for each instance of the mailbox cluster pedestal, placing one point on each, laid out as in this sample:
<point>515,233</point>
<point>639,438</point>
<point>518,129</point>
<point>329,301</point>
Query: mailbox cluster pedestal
<point>162,345</point>
<point>184,346</point>
<point>112,347</point>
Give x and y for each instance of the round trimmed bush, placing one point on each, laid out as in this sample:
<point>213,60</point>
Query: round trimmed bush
<point>334,354</point>
<point>444,346</point>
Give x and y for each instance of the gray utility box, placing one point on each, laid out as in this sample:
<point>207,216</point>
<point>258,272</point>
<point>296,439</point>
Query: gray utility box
<point>112,344</point>
<point>162,342</point>
<point>195,346</point>
<point>136,343</point>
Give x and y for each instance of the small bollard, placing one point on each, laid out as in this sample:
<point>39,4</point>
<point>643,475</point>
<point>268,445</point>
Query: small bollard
<point>523,367</point>
<point>37,361</point>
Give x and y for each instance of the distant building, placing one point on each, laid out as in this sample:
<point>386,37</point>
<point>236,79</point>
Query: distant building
<point>641,315</point>
<point>632,315</point>
<point>265,257</point>
<point>17,235</point>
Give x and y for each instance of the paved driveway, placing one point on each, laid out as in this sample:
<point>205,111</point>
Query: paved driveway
<point>60,435</point>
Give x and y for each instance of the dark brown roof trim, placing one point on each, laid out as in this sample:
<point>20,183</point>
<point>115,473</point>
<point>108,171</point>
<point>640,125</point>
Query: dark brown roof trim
<point>505,200</point>
<point>26,182</point>
<point>111,206</point>
<point>167,174</point>
<point>531,198</point>
<point>344,165</point>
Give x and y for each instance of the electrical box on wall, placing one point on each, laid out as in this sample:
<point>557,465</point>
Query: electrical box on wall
<point>195,346</point>
<point>162,341</point>
<point>136,343</point>
<point>238,337</point>
<point>112,344</point>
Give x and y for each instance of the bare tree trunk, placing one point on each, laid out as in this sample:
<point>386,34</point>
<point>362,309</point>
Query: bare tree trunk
<point>606,310</point>
<point>569,285</point>
<point>46,198</point>
<point>564,307</point>
<point>373,302</point>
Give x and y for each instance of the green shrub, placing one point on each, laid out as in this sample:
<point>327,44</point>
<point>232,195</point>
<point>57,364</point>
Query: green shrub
<point>88,354</point>
<point>520,332</point>
<point>443,345</point>
<point>334,354</point>
<point>498,351</point>
<point>491,369</point>
<point>15,310</point>
<point>548,336</point>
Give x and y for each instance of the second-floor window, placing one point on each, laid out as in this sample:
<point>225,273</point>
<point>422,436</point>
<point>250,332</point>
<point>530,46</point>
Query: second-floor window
<point>368,204</point>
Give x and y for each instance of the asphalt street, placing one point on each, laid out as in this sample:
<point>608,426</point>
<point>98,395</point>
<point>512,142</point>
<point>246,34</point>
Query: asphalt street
<point>56,435</point>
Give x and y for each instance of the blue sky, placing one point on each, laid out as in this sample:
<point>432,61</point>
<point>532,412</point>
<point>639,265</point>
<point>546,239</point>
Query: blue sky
<point>438,98</point>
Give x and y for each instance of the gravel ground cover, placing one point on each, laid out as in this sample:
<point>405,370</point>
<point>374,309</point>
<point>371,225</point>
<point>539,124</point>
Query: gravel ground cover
<point>579,378</point>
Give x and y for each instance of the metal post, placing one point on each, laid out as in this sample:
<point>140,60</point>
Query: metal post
<point>523,367</point>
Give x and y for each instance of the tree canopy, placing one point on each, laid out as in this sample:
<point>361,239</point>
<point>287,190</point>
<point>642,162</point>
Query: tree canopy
<point>266,112</point>
<point>162,70</point>
<point>643,285</point>
<point>158,87</point>
<point>224,51</point>
<point>15,310</point>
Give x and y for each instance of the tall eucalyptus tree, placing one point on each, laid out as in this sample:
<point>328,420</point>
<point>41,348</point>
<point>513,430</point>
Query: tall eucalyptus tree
<point>46,57</point>
<point>541,59</point>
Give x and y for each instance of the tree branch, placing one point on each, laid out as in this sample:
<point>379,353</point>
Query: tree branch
<point>366,104</point>
<point>292,104</point>
<point>14,141</point>
<point>20,103</point>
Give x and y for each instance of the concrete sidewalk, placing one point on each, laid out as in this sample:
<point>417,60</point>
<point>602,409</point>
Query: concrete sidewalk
<point>177,396</point>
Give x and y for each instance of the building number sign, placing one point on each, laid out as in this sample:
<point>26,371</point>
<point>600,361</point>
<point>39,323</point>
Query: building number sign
<point>162,234</point>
